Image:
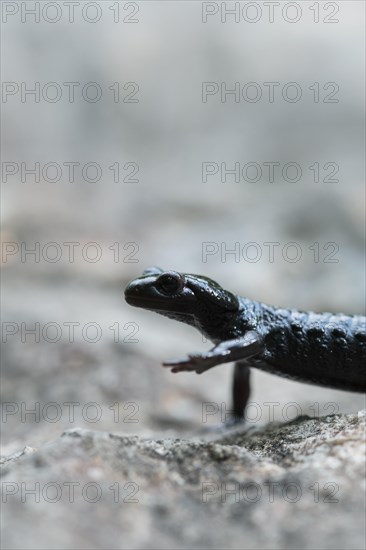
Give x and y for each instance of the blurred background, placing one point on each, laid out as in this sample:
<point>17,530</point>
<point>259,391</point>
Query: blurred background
<point>129,148</point>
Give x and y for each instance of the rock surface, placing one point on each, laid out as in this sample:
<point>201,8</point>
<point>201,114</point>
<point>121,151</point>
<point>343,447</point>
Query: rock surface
<point>299,484</point>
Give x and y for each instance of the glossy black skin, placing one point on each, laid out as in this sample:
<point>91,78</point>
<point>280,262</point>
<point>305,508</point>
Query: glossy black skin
<point>318,348</point>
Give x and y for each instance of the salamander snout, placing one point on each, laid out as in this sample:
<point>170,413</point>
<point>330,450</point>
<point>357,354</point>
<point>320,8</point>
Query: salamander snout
<point>132,291</point>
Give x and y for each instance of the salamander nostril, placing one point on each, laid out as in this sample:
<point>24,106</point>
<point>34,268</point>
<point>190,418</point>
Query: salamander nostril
<point>131,288</point>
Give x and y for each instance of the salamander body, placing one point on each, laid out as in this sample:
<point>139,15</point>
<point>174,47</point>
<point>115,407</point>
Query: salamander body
<point>318,348</point>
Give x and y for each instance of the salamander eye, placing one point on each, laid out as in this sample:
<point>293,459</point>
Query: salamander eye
<point>170,283</point>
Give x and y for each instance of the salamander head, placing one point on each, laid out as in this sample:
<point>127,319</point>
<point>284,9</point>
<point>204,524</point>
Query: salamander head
<point>192,299</point>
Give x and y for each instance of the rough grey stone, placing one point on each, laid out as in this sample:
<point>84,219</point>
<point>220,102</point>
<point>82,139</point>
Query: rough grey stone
<point>295,485</point>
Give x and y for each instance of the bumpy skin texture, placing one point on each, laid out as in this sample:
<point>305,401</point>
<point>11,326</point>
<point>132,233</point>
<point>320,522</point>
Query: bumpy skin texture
<point>318,348</point>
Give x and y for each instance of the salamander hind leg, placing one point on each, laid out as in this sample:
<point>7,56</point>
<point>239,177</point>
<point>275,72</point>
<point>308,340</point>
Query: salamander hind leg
<point>240,393</point>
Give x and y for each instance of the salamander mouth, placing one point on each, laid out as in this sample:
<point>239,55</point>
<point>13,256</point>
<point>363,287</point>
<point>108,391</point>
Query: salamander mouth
<point>135,300</point>
<point>148,302</point>
<point>158,306</point>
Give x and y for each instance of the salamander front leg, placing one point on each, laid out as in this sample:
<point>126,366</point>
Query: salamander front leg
<point>231,350</point>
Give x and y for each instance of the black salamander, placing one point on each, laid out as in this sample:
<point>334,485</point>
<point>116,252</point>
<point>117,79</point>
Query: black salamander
<point>317,348</point>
